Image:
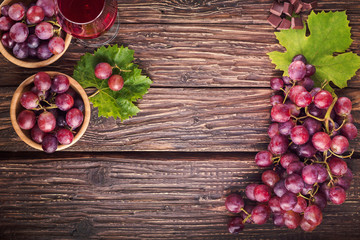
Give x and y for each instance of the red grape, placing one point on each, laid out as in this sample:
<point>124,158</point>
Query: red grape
<point>43,51</point>
<point>263,159</point>
<point>29,100</point>
<point>56,45</point>
<point>292,219</point>
<point>260,214</point>
<point>339,144</point>
<point>310,174</point>
<point>297,70</point>
<point>310,70</point>
<point>234,203</point>
<point>19,32</point>
<point>16,12</point>
<point>303,99</point>
<point>262,193</point>
<point>48,6</point>
<point>60,84</point>
<point>74,118</point>
<point>103,70</point>
<point>294,183</point>
<point>44,30</point>
<point>64,102</point>
<point>42,81</point>
<point>279,188</point>
<point>276,83</point>
<point>295,167</point>
<point>337,166</point>
<point>288,158</point>
<point>270,178</point>
<point>276,99</point>
<point>35,14</point>
<point>306,226</point>
<point>249,191</point>
<point>286,127</point>
<point>323,99</point>
<point>313,215</point>
<point>46,122</point>
<point>295,91</point>
<point>274,204</point>
<point>273,130</point>
<point>313,126</point>
<point>7,41</point>
<point>299,57</point>
<point>116,82</point>
<point>26,119</point>
<point>37,135</point>
<point>337,195</point>
<point>50,143</point>
<point>288,201</point>
<point>279,144</point>
<point>349,131</point>
<point>299,135</point>
<point>280,113</point>
<point>321,141</point>
<point>300,205</point>
<point>5,23</point>
<point>343,106</point>
<point>235,225</point>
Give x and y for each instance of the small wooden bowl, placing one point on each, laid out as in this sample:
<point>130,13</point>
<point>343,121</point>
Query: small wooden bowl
<point>30,63</point>
<point>16,108</point>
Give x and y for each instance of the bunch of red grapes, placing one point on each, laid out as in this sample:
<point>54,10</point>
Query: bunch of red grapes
<point>53,111</point>
<point>29,31</point>
<point>310,136</point>
<point>104,71</point>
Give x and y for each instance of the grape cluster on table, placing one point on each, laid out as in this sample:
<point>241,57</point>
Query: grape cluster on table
<point>310,133</point>
<point>30,31</point>
<point>53,111</point>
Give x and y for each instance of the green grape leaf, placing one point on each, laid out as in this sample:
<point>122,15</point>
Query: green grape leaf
<point>110,103</point>
<point>324,48</point>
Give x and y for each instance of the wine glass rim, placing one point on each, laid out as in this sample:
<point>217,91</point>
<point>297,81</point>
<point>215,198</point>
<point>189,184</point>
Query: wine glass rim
<point>84,23</point>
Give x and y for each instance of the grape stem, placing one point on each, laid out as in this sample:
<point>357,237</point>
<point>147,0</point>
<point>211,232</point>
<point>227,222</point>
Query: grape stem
<point>340,156</point>
<point>287,93</point>
<point>121,70</point>
<point>52,106</point>
<point>95,93</point>
<point>247,217</point>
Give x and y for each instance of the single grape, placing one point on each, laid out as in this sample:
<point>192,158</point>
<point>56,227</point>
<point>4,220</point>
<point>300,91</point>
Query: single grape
<point>339,144</point>
<point>16,12</point>
<point>334,128</point>
<point>262,193</point>
<point>321,141</point>
<point>74,118</point>
<point>5,23</point>
<point>33,41</point>
<point>299,135</point>
<point>287,80</point>
<point>50,143</point>
<point>21,50</point>
<point>270,178</point>
<point>79,104</point>
<point>292,219</point>
<point>32,53</point>
<point>310,70</point>
<point>260,214</point>
<point>313,215</point>
<point>103,70</point>
<point>61,121</point>
<point>307,83</point>
<point>29,100</point>
<point>273,130</point>
<point>46,122</point>
<point>313,126</point>
<point>288,158</point>
<point>295,167</point>
<point>35,14</point>
<point>337,195</point>
<point>280,113</point>
<point>37,135</point>
<point>234,203</point>
<point>343,106</point>
<point>42,81</point>
<point>293,108</point>
<point>349,131</point>
<point>286,127</point>
<point>276,99</point>
<point>60,84</point>
<point>310,174</point>
<point>299,57</point>
<point>279,144</point>
<point>263,159</point>
<point>323,99</point>
<point>317,112</point>
<point>249,191</point>
<point>337,166</point>
<point>19,32</point>
<point>307,150</point>
<point>325,189</point>
<point>295,91</point>
<point>64,102</point>
<point>301,205</point>
<point>322,172</point>
<point>306,226</point>
<point>278,219</point>
<point>7,41</point>
<point>276,83</point>
<point>48,6</point>
<point>320,200</point>
<point>279,188</point>
<point>274,204</point>
<point>303,99</point>
<point>343,182</point>
<point>56,45</point>
<point>294,183</point>
<point>5,10</point>
<point>288,201</point>
<point>43,51</point>
<point>116,82</point>
<point>44,30</point>
<point>70,91</point>
<point>297,70</point>
<point>26,119</point>
<point>235,225</point>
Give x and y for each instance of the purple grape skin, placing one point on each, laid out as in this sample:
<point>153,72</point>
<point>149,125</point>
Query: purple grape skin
<point>37,135</point>
<point>286,80</point>
<point>306,189</point>
<point>32,52</point>
<point>288,201</point>
<point>299,57</point>
<point>307,83</point>
<point>5,23</point>
<point>295,167</point>
<point>278,219</point>
<point>310,70</point>
<point>44,31</point>
<point>297,70</point>
<point>279,144</point>
<point>60,84</point>
<point>320,200</point>
<point>313,126</point>
<point>7,41</point>
<point>307,150</point>
<point>79,104</point>
<point>313,110</point>
<point>235,225</point>
<point>50,143</point>
<point>279,188</point>
<point>21,50</point>
<point>310,174</point>
<point>43,51</point>
<point>285,128</point>
<point>5,10</point>
<point>60,120</point>
<point>294,183</point>
<point>276,83</point>
<point>48,7</point>
<point>19,32</point>
<point>322,172</point>
<point>33,41</point>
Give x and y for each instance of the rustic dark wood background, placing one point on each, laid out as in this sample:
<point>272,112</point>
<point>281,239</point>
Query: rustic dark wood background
<point>164,173</point>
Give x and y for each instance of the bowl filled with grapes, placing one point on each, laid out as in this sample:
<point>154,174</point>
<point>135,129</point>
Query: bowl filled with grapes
<point>50,111</point>
<point>30,34</point>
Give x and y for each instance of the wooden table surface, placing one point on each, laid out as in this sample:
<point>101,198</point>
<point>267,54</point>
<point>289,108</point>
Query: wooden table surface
<point>164,173</point>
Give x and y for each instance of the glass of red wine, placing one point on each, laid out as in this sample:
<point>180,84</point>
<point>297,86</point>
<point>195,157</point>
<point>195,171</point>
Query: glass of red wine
<point>93,22</point>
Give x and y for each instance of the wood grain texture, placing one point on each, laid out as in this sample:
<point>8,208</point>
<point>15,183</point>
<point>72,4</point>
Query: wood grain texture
<point>142,196</point>
<point>179,119</point>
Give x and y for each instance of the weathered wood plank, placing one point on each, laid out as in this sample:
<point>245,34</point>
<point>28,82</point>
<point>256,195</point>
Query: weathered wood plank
<point>183,119</point>
<point>141,196</point>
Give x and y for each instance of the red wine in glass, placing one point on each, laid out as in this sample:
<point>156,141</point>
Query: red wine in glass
<point>86,19</point>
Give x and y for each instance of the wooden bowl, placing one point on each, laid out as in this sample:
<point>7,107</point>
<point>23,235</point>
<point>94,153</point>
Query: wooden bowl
<point>16,108</point>
<point>30,63</point>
